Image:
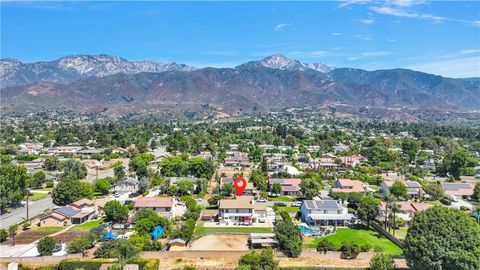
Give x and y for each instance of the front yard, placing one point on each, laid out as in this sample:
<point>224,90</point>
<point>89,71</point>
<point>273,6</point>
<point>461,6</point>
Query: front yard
<point>361,235</point>
<point>201,230</point>
<point>87,225</point>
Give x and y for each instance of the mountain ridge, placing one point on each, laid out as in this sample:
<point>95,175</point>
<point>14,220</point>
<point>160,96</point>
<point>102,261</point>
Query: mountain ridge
<point>112,85</point>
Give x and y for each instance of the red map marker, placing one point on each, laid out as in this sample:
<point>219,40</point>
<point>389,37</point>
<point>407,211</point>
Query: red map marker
<point>239,184</point>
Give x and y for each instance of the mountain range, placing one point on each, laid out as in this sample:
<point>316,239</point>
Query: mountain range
<point>113,85</point>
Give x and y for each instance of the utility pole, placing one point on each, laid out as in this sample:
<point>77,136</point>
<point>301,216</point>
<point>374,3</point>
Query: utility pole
<point>28,193</point>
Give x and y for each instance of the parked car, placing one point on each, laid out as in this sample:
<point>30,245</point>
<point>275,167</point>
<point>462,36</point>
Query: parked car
<point>297,203</point>
<point>279,204</point>
<point>117,194</point>
<point>262,200</point>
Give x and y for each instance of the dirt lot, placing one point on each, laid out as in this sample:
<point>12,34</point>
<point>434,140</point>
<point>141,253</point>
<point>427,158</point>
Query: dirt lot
<point>219,242</point>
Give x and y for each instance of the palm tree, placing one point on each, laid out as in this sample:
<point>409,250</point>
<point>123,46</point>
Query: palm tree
<point>387,198</point>
<point>395,208</point>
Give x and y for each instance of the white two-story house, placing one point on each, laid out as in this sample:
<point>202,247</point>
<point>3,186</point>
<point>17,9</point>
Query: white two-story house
<point>326,213</point>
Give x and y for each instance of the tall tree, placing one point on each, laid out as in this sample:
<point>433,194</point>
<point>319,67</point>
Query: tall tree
<point>368,209</point>
<point>67,191</point>
<point>398,190</point>
<point>310,187</point>
<point>13,183</point>
<point>289,238</point>
<point>443,238</point>
<point>115,211</point>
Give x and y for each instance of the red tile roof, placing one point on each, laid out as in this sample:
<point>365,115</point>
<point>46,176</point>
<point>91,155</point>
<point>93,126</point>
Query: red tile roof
<point>154,202</point>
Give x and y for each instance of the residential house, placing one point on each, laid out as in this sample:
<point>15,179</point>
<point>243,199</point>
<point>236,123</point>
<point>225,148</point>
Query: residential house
<point>240,209</point>
<point>348,186</point>
<point>414,189</point>
<point>290,186</point>
<point>237,159</point>
<point>458,189</point>
<point>406,210</point>
<point>30,148</point>
<point>163,206</point>
<point>326,213</point>
<point>126,185</point>
<point>67,215</point>
<point>352,161</point>
<point>175,180</point>
<point>249,189</point>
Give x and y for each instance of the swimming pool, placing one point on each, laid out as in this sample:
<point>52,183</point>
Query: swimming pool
<point>307,230</point>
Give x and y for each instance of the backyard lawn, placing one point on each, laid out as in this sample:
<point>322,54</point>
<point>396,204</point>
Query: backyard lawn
<point>35,196</point>
<point>49,229</point>
<point>360,235</point>
<point>87,225</point>
<point>289,209</point>
<point>200,230</point>
<point>281,199</point>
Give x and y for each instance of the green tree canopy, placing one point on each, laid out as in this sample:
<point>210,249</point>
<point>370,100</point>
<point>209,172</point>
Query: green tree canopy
<point>399,190</point>
<point>382,261</point>
<point>102,186</point>
<point>289,238</point>
<point>13,183</point>
<point>45,246</point>
<point>368,209</point>
<point>67,191</point>
<point>310,187</point>
<point>262,260</point>
<point>74,169</point>
<point>443,238</point>
<point>116,212</point>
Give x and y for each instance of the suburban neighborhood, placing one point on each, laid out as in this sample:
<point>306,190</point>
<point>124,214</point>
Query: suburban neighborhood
<point>317,192</point>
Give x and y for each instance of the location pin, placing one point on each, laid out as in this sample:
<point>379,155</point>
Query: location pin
<point>239,184</point>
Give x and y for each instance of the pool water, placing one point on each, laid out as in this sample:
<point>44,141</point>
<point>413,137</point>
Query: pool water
<point>306,230</point>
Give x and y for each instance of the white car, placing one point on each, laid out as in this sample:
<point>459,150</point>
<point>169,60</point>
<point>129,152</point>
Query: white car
<point>297,203</point>
<point>262,200</point>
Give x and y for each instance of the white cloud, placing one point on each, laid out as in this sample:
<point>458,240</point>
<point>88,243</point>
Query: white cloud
<point>353,58</point>
<point>463,52</point>
<point>280,27</point>
<point>394,12</point>
<point>366,37</point>
<point>367,21</point>
<point>379,53</point>
<point>455,68</point>
<point>344,3</point>
<point>318,53</point>
<point>337,34</point>
<point>405,3</point>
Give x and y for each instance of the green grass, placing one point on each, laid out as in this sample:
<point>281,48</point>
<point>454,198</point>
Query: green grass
<point>201,230</point>
<point>288,209</point>
<point>88,225</point>
<point>400,233</point>
<point>35,196</point>
<point>360,235</point>
<point>281,199</point>
<point>45,189</point>
<point>49,229</point>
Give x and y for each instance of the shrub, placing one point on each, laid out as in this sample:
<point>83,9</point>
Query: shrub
<point>3,235</point>
<point>350,250</point>
<point>366,247</point>
<point>324,245</point>
<point>45,246</point>
<point>26,225</point>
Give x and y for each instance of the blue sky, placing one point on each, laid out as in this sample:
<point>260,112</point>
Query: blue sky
<point>437,37</point>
